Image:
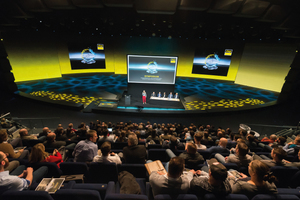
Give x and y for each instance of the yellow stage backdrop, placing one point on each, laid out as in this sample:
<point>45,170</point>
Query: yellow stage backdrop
<point>265,65</point>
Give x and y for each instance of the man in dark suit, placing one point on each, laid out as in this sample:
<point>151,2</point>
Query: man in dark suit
<point>134,153</point>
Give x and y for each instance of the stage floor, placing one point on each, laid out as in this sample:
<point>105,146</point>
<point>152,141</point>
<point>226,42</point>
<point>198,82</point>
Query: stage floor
<point>106,91</point>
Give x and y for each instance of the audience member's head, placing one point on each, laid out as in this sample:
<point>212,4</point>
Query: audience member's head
<point>105,148</point>
<point>273,137</point>
<point>281,140</point>
<point>3,161</point>
<point>242,149</point>
<point>132,140</point>
<point>198,137</point>
<point>223,142</point>
<point>51,137</point>
<point>260,171</point>
<point>176,166</point>
<point>278,154</point>
<point>191,148</point>
<point>92,136</point>
<point>250,138</point>
<point>38,153</point>
<point>3,135</point>
<point>23,132</point>
<point>217,172</point>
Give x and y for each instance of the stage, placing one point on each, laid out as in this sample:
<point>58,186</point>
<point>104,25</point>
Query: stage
<point>106,92</point>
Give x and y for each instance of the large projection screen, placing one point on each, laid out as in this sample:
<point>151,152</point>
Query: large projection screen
<point>151,69</point>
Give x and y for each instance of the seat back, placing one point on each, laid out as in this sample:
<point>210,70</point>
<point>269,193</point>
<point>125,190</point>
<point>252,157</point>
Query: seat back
<point>284,175</point>
<point>102,173</point>
<point>53,170</point>
<point>158,154</point>
<point>228,197</point>
<point>76,194</point>
<point>119,145</point>
<point>26,195</point>
<point>275,197</point>
<point>179,197</point>
<point>70,168</point>
<point>137,170</point>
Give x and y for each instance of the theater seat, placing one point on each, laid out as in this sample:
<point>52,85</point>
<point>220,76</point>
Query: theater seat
<point>113,193</point>
<point>77,194</point>
<point>179,197</point>
<point>275,197</point>
<point>228,197</point>
<point>102,173</point>
<point>26,195</point>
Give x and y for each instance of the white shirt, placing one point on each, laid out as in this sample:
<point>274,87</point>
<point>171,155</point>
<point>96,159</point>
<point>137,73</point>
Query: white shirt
<point>108,159</point>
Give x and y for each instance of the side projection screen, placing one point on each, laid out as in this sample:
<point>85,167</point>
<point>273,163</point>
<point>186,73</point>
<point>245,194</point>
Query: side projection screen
<point>87,56</point>
<point>151,69</point>
<point>212,61</point>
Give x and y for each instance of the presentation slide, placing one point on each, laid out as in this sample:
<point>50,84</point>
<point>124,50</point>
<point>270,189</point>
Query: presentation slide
<point>212,61</point>
<point>87,56</point>
<point>151,69</point>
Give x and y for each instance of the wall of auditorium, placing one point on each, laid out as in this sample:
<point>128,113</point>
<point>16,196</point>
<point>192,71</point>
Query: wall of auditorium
<point>265,65</point>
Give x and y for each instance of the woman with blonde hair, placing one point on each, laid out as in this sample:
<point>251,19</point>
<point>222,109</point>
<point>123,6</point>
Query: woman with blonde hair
<point>38,154</point>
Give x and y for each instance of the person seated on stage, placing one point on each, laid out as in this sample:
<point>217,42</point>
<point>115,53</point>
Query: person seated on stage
<point>170,95</point>
<point>165,95</point>
<point>153,94</point>
<point>159,94</point>
<point>176,96</point>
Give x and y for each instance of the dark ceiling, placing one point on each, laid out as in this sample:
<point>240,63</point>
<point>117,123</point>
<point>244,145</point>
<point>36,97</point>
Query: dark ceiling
<point>220,19</point>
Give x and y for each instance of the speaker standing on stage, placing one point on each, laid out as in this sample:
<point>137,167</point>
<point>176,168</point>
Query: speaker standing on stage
<point>144,96</point>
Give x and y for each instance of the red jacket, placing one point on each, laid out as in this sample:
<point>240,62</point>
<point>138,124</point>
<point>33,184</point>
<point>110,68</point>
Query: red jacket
<point>56,159</point>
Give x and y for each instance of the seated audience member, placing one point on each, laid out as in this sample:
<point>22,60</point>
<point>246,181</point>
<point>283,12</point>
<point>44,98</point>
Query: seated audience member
<point>241,157</point>
<point>278,155</point>
<point>259,182</point>
<point>134,153</point>
<point>107,137</point>
<point>20,182</point>
<point>243,133</point>
<point>153,137</point>
<point>221,148</point>
<point>215,181</point>
<point>138,134</point>
<point>5,123</point>
<point>38,154</point>
<point>172,183</point>
<point>173,144</point>
<point>122,137</point>
<point>12,165</point>
<point>206,138</point>
<point>280,142</point>
<point>61,134</point>
<point>250,141</point>
<point>191,157</point>
<point>45,132</point>
<point>82,130</point>
<point>52,143</point>
<point>106,156</point>
<point>197,138</point>
<point>292,146</point>
<point>25,136</point>
<point>272,139</point>
<point>70,133</point>
<point>86,150</point>
<point>8,148</point>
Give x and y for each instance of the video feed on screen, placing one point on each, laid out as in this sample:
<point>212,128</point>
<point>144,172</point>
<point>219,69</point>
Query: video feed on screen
<point>87,56</point>
<point>151,69</point>
<point>212,61</point>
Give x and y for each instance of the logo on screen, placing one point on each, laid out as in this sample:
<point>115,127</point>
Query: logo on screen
<point>88,56</point>
<point>173,60</point>
<point>152,67</point>
<point>228,52</point>
<point>211,62</point>
<point>100,46</point>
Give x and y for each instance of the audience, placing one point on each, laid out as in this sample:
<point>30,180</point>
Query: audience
<point>197,138</point>
<point>191,157</point>
<point>278,155</point>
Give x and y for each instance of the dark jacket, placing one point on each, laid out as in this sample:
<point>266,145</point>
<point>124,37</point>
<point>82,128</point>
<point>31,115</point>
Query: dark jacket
<point>135,154</point>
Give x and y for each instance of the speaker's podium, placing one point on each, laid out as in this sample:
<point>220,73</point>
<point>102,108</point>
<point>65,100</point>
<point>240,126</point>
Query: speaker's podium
<point>127,100</point>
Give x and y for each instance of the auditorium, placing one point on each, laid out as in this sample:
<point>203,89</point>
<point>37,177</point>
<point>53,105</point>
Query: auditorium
<point>85,82</point>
